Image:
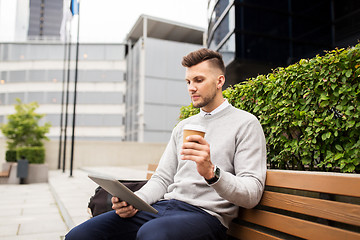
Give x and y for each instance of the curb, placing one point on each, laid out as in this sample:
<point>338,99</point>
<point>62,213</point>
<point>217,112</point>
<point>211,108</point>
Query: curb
<point>64,213</point>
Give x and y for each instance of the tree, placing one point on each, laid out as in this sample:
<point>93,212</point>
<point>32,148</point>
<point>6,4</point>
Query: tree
<point>22,129</point>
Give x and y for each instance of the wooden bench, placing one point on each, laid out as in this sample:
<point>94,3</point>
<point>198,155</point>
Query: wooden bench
<point>4,175</point>
<point>301,205</point>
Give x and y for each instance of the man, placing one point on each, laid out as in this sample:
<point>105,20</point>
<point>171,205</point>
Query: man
<point>198,185</point>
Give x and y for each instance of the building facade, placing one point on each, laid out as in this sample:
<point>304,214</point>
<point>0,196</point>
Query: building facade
<point>255,36</point>
<point>34,71</point>
<point>45,19</point>
<point>156,88</point>
<point>22,20</point>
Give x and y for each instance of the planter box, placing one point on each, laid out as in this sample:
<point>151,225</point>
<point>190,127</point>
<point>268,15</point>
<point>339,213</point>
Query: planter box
<point>38,173</point>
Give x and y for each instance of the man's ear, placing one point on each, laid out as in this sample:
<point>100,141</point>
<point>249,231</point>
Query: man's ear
<point>220,81</point>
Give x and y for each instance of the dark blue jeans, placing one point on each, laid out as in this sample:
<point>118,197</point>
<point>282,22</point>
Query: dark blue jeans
<point>175,220</point>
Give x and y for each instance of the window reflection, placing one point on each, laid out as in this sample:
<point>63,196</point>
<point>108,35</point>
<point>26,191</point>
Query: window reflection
<point>216,12</point>
<point>228,49</point>
<point>226,25</point>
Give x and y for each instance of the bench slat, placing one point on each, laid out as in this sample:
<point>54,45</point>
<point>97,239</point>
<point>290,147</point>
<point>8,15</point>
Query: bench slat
<point>333,183</point>
<point>295,227</point>
<point>6,174</point>
<point>152,167</point>
<point>336,211</point>
<point>242,232</point>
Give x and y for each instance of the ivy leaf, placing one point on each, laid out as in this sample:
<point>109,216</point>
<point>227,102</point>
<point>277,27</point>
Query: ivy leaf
<point>339,148</point>
<point>326,136</point>
<point>348,73</point>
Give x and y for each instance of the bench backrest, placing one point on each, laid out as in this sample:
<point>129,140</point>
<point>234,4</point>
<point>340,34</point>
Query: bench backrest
<point>150,171</point>
<point>308,205</point>
<point>301,204</point>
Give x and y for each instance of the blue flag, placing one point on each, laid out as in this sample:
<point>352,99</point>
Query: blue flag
<point>74,7</point>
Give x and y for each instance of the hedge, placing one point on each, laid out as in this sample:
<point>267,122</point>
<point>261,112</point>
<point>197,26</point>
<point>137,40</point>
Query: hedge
<point>309,111</point>
<point>10,156</point>
<point>32,154</point>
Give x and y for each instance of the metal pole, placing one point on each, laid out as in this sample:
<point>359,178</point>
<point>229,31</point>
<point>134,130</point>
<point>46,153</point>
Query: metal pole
<point>67,101</point>
<point>75,93</point>
<point>62,101</point>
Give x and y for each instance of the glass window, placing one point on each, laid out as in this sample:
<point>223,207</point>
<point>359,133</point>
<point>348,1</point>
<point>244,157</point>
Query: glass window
<point>54,97</point>
<point>36,97</point>
<point>55,75</point>
<point>226,25</point>
<point>266,49</point>
<point>216,12</point>
<point>99,98</point>
<point>45,52</point>
<point>264,22</point>
<point>13,96</point>
<point>37,75</point>
<point>115,52</point>
<point>91,52</point>
<point>17,52</point>
<point>17,76</point>
<point>228,50</point>
<point>2,98</point>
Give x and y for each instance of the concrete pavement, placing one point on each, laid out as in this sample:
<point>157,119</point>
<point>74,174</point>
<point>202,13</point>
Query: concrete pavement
<point>49,210</point>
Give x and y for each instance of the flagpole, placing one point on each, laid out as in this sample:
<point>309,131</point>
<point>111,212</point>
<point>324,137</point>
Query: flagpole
<point>75,93</point>
<point>62,102</point>
<point>67,100</point>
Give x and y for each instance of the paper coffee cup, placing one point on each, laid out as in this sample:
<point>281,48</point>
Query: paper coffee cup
<point>192,129</point>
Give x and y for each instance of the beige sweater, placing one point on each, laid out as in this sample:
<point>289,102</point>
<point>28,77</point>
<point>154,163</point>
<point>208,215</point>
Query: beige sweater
<point>237,147</point>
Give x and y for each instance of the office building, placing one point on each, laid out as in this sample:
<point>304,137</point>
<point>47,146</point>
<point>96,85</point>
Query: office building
<point>156,88</point>
<point>255,36</point>
<point>45,19</point>
<point>22,20</point>
<point>34,71</point>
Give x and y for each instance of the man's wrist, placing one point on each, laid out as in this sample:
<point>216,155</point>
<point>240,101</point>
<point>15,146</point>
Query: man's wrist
<point>211,174</point>
<point>216,175</point>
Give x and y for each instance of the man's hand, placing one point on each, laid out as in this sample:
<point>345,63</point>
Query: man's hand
<point>122,208</point>
<point>197,149</point>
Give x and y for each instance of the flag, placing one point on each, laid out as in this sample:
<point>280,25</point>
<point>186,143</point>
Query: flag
<point>66,17</point>
<point>74,7</point>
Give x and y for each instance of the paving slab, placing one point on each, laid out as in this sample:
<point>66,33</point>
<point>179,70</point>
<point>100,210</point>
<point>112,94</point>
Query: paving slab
<point>29,211</point>
<point>49,210</point>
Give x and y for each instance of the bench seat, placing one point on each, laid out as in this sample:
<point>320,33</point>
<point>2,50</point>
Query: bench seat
<point>303,205</point>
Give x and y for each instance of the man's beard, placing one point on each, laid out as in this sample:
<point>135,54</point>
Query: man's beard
<point>206,101</point>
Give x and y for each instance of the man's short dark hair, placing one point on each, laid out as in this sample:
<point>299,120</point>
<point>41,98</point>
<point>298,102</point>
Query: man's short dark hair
<point>202,55</point>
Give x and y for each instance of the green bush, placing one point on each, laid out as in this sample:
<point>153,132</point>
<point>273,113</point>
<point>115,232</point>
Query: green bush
<point>10,156</point>
<point>32,154</point>
<point>309,111</point>
<point>23,129</point>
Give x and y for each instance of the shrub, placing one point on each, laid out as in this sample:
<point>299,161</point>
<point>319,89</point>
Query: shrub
<point>309,111</point>
<point>10,156</point>
<point>22,129</point>
<point>32,154</point>
<point>24,135</point>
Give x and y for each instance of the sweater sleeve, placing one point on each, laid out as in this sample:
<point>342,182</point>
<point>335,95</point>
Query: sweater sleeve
<point>157,185</point>
<point>245,188</point>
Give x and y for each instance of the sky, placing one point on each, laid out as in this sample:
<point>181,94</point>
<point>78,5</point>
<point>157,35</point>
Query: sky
<point>111,20</point>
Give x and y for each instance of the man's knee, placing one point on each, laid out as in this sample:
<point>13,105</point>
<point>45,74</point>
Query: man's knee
<point>148,233</point>
<point>157,230</point>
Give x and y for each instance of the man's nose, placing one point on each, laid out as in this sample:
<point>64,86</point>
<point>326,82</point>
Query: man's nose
<point>191,88</point>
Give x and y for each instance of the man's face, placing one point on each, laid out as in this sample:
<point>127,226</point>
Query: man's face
<point>202,81</point>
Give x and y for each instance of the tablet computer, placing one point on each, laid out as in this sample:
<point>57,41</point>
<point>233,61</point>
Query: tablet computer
<point>117,189</point>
